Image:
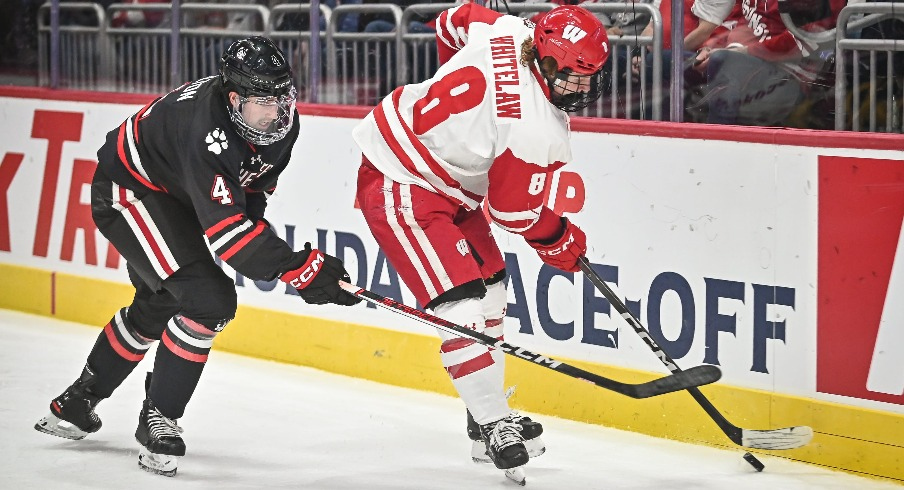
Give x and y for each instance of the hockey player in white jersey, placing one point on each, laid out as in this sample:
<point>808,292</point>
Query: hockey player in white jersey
<point>485,131</point>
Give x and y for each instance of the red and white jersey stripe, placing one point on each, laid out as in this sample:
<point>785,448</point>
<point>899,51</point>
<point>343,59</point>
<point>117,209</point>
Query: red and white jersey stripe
<point>232,234</point>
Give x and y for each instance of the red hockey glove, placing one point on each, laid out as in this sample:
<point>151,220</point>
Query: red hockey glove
<point>317,279</point>
<point>564,252</point>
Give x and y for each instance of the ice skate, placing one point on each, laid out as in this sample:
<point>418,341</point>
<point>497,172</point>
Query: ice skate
<point>72,413</point>
<point>160,439</point>
<point>517,475</point>
<point>530,431</point>
<point>504,443</point>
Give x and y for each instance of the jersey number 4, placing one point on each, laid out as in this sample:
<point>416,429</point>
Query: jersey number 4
<point>220,191</point>
<point>457,92</point>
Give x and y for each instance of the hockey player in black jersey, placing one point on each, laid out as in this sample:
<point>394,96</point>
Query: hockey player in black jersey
<point>196,163</point>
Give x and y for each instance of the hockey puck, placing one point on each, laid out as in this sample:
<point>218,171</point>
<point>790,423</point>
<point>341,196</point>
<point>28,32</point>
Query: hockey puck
<point>757,465</point>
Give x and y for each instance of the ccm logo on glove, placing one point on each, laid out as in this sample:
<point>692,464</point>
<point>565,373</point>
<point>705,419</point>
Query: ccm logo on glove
<point>559,249</point>
<point>317,278</point>
<point>301,278</point>
<point>563,253</point>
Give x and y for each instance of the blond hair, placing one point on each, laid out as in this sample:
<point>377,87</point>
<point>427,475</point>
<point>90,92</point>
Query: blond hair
<point>548,65</point>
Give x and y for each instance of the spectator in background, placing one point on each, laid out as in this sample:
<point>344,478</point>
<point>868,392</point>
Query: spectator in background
<point>19,35</point>
<point>703,24</point>
<point>139,18</point>
<point>350,22</point>
<point>703,21</point>
<point>627,22</point>
<point>385,23</point>
<point>763,72</point>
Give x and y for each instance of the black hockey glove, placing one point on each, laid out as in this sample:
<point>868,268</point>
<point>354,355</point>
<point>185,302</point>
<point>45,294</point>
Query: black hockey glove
<point>317,279</point>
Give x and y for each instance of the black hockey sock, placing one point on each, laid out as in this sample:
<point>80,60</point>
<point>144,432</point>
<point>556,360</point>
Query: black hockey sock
<point>177,368</point>
<point>118,349</point>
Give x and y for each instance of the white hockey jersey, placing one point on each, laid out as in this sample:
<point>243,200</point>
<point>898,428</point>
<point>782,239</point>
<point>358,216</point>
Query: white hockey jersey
<point>482,126</point>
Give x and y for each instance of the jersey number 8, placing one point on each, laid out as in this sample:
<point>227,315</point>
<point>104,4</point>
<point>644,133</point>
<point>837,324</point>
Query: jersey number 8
<point>457,92</point>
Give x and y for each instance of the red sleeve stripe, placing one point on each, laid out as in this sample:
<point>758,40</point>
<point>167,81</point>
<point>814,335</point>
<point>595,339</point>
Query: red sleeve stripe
<point>231,234</point>
<point>133,147</point>
<point>213,230</point>
<point>443,26</point>
<point>244,241</point>
<point>514,222</point>
<point>127,163</point>
<point>146,110</point>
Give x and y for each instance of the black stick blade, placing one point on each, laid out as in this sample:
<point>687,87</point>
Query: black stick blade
<point>681,380</point>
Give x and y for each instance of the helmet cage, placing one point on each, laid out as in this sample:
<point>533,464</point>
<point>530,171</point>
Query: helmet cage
<point>278,129</point>
<point>565,89</point>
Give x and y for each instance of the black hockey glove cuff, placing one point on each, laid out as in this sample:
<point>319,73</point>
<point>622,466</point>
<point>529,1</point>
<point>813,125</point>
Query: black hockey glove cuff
<point>317,279</point>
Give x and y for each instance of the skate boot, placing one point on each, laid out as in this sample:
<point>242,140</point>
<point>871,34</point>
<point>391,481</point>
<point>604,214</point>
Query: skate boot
<point>530,431</point>
<point>505,446</point>
<point>72,413</point>
<point>504,443</point>
<point>160,439</point>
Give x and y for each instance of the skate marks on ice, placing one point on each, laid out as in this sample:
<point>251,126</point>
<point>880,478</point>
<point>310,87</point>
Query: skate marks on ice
<point>257,424</point>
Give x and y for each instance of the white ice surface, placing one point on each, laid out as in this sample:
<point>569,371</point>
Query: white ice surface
<point>262,425</point>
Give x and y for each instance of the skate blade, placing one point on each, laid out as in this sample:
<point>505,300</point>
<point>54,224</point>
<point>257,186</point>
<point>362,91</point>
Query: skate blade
<point>55,426</point>
<point>535,447</point>
<point>517,475</point>
<point>160,464</point>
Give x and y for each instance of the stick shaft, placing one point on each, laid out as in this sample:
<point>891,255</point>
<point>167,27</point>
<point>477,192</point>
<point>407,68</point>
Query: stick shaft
<point>676,382</point>
<point>732,431</point>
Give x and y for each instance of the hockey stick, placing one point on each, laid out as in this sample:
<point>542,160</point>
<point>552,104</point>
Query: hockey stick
<point>787,438</point>
<point>697,376</point>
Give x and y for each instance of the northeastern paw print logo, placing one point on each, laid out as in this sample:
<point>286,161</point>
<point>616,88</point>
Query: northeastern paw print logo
<point>216,141</point>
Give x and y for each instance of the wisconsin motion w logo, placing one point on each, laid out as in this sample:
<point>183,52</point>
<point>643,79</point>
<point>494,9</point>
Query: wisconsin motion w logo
<point>860,312</point>
<point>573,33</point>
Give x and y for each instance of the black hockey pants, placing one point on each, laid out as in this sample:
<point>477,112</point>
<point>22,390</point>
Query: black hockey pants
<point>181,296</point>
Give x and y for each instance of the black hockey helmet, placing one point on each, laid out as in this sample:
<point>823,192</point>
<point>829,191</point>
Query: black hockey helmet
<point>256,67</point>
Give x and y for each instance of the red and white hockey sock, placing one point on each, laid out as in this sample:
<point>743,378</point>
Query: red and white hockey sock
<point>475,374</point>
<point>494,305</point>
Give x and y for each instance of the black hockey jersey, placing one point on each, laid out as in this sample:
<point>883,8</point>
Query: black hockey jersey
<point>184,144</point>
